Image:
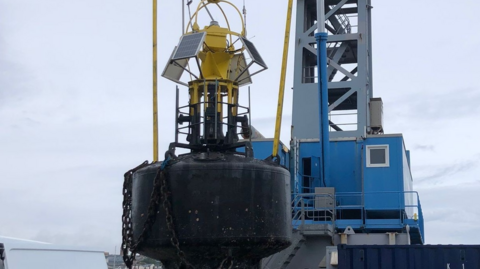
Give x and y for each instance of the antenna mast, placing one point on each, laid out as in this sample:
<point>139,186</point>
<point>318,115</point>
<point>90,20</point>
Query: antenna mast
<point>245,17</point>
<point>155,102</point>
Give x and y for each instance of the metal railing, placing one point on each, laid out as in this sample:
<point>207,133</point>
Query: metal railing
<point>186,111</point>
<point>314,208</point>
<point>409,201</point>
<point>344,120</point>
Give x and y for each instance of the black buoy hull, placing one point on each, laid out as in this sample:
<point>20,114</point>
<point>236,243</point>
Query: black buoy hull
<point>222,205</point>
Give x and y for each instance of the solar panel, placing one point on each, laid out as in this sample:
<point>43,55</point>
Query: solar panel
<point>253,52</point>
<point>174,69</point>
<point>189,46</point>
<point>237,67</point>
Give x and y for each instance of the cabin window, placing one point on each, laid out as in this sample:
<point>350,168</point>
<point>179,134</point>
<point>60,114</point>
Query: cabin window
<point>378,156</point>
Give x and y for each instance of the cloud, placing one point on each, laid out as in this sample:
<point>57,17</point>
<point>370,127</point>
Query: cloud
<point>456,173</point>
<point>438,106</point>
<point>450,213</point>
<point>71,204</point>
<point>15,82</point>
<point>424,147</point>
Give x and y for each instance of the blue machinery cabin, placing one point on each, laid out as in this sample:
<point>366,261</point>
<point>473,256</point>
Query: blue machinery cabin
<point>370,189</point>
<point>369,185</point>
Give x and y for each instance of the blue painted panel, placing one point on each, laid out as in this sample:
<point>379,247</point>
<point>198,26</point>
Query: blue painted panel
<point>343,224</point>
<point>315,171</point>
<point>408,257</point>
<point>384,223</point>
<point>388,180</point>
<point>308,150</point>
<point>345,164</point>
<point>346,171</point>
<point>262,149</point>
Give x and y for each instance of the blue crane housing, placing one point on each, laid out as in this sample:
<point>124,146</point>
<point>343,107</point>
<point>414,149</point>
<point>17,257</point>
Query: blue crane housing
<point>351,183</point>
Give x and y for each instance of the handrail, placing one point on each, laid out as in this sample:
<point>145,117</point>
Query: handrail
<point>304,208</point>
<point>245,111</point>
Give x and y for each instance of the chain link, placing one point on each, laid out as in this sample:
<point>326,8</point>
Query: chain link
<point>129,248</point>
<point>167,206</point>
<point>160,194</point>
<point>127,227</point>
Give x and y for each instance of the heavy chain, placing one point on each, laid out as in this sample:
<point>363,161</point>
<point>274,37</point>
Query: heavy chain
<point>160,193</point>
<point>155,197</point>
<point>127,227</point>
<point>167,206</point>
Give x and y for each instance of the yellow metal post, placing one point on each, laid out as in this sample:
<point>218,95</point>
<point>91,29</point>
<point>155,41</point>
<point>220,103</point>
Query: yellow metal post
<point>281,93</point>
<point>155,102</point>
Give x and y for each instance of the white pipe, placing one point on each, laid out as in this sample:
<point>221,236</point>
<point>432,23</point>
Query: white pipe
<point>321,16</point>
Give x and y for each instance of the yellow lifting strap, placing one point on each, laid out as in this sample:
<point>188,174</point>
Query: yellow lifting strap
<point>283,74</point>
<point>155,102</point>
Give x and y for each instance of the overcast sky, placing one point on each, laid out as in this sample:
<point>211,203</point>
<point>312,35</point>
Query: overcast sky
<point>75,107</point>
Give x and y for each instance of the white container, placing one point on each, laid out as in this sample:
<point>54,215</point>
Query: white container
<point>25,254</point>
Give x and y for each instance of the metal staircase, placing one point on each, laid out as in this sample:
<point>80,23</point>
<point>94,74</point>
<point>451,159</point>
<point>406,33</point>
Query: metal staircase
<point>282,260</point>
<point>344,27</point>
